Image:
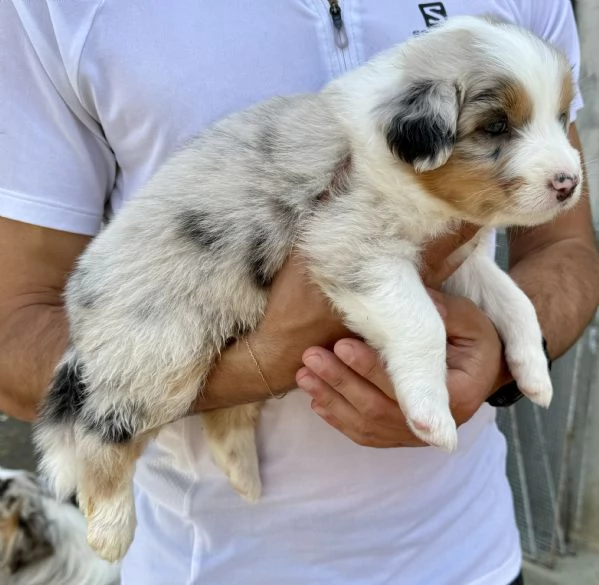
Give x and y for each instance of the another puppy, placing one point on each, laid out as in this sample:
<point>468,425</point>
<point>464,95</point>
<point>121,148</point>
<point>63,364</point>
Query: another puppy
<point>467,122</point>
<point>42,541</point>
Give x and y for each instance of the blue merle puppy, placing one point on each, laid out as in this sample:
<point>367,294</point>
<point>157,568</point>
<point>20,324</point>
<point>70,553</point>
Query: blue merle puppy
<point>405,147</point>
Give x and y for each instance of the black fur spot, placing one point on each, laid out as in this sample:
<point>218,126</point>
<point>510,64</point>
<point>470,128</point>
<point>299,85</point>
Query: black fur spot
<point>66,395</point>
<point>88,300</point>
<point>196,226</point>
<point>113,427</point>
<point>418,130</point>
<point>258,259</point>
<point>240,330</point>
<point>116,434</point>
<point>411,139</point>
<point>418,92</point>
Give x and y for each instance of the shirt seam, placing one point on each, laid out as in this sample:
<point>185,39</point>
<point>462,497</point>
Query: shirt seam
<point>17,195</point>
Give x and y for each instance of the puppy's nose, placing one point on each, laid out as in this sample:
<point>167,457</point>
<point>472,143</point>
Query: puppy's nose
<point>564,185</point>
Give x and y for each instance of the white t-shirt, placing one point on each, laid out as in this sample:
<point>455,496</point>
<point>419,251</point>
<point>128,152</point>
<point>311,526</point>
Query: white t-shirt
<point>94,95</point>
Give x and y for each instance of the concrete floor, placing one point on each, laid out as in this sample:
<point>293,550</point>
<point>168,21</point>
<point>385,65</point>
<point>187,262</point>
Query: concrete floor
<point>15,444</point>
<point>580,569</point>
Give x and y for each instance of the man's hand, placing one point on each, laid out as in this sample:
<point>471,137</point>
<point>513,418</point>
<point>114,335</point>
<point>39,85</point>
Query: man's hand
<point>352,392</point>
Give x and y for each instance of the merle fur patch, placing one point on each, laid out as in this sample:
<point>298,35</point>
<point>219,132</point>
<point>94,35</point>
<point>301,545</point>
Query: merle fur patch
<point>284,213</point>
<point>116,428</point>
<point>83,295</point>
<point>66,395</point>
<point>258,259</point>
<point>196,227</point>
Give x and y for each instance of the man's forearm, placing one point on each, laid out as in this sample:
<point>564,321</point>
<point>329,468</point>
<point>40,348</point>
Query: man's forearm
<point>562,280</point>
<point>32,339</point>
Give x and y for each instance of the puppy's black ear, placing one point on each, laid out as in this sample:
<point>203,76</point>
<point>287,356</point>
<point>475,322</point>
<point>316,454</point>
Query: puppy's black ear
<point>24,529</point>
<point>420,124</point>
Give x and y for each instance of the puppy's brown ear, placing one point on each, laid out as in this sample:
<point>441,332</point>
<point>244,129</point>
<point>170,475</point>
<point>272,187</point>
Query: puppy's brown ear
<point>24,530</point>
<point>420,124</point>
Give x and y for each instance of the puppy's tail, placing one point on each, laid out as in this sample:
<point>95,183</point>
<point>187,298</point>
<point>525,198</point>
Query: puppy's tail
<point>54,436</point>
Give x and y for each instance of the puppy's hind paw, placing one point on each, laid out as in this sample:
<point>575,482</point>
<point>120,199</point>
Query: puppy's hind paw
<point>239,460</point>
<point>248,486</point>
<point>243,472</point>
<point>110,532</point>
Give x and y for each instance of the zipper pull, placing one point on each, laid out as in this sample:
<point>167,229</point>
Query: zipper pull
<point>340,34</point>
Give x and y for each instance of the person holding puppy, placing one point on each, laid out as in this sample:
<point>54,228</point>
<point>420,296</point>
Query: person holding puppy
<point>112,90</point>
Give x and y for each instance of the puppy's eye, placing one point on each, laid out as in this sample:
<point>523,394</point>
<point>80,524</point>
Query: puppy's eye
<point>563,120</point>
<point>496,127</point>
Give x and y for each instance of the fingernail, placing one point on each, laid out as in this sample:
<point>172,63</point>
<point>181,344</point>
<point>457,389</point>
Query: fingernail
<point>313,361</point>
<point>345,351</point>
<point>306,383</point>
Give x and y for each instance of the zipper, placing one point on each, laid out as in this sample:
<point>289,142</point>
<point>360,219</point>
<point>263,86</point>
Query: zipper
<point>338,25</point>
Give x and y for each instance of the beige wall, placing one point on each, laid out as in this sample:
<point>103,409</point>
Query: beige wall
<point>588,125</point>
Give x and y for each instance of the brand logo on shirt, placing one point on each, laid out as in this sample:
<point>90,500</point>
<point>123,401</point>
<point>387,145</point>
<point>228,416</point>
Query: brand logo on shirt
<point>433,13</point>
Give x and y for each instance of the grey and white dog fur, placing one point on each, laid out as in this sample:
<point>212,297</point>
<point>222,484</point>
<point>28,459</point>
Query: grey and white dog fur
<point>42,541</point>
<point>465,123</point>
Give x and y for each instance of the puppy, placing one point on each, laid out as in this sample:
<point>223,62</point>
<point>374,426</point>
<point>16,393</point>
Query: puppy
<point>42,541</point>
<point>465,123</point>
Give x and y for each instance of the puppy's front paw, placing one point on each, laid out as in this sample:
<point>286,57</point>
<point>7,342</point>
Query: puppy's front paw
<point>430,419</point>
<point>529,368</point>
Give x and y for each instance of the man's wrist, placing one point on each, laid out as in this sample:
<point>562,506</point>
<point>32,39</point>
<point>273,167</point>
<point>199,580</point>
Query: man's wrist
<point>279,357</point>
<point>236,379</point>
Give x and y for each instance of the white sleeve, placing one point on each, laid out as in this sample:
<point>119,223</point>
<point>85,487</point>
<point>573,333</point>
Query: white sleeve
<point>553,20</point>
<point>56,169</point>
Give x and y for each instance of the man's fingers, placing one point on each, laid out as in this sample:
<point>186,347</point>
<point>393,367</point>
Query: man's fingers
<point>363,393</point>
<point>350,402</point>
<point>327,402</point>
<point>365,361</point>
